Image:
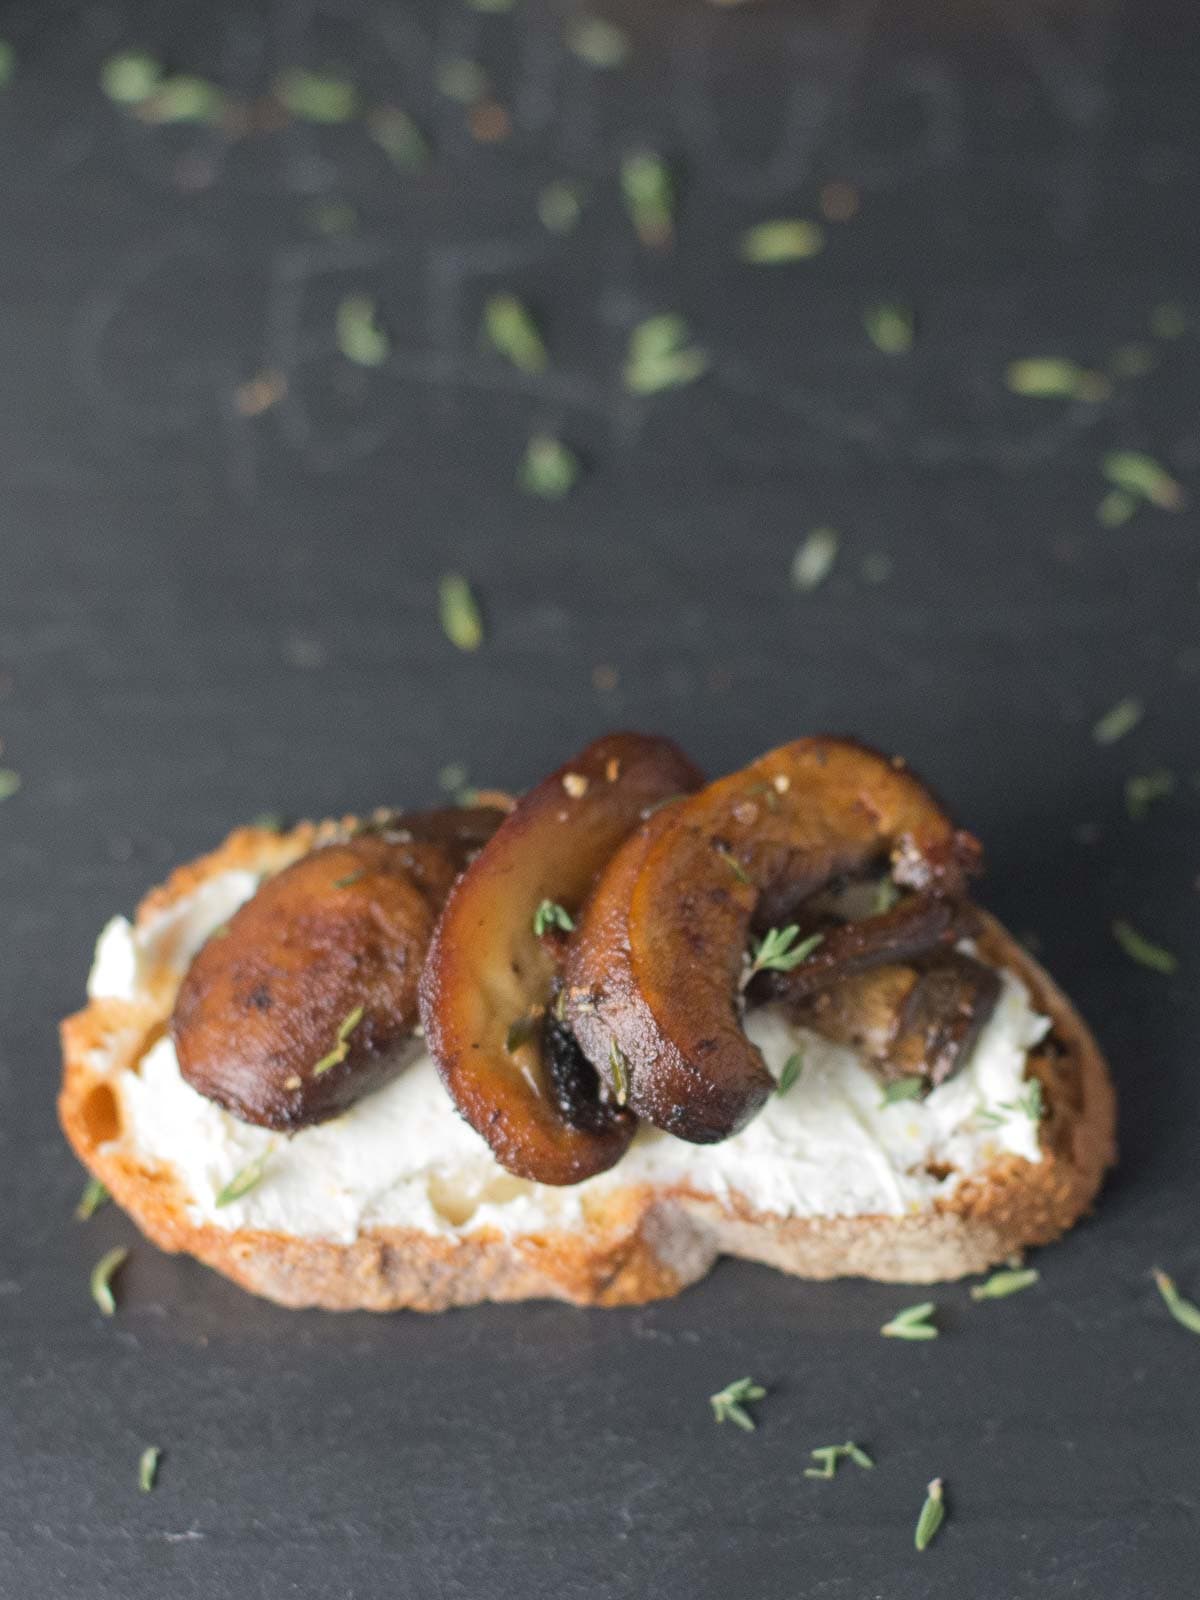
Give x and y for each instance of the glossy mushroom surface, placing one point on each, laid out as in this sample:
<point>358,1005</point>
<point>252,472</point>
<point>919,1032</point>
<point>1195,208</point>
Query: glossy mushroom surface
<point>307,1000</point>
<point>656,968</point>
<point>488,994</point>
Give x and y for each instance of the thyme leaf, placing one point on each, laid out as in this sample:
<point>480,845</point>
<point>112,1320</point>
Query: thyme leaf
<point>559,206</point>
<point>900,1089</point>
<point>781,239</point>
<point>778,950</point>
<point>249,1177</point>
<point>660,356</point>
<point>912,1323</point>
<point>1144,478</point>
<point>341,1049</point>
<point>649,198</point>
<point>131,77</point>
<point>1184,1312</point>
<point>729,1404</point>
<point>148,1467</point>
<point>933,1514</point>
<point>1119,720</point>
<point>1050,378</point>
<point>550,914</point>
<point>459,612</point>
<point>600,43</point>
<point>549,468</point>
<point>316,96</point>
<point>399,137</point>
<point>103,1274</point>
<point>732,862</point>
<point>360,338</point>
<point>788,1073</point>
<point>1140,949</point>
<point>829,1455</point>
<point>814,559</point>
<point>511,331</point>
<point>890,328</point>
<point>1001,1284</point>
<point>1142,790</point>
<point>93,1197</point>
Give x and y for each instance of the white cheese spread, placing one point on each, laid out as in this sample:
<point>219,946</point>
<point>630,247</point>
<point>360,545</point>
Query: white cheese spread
<point>403,1157</point>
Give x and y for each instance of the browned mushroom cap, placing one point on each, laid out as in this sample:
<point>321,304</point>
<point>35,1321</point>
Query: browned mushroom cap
<point>921,1019</point>
<point>514,1071</point>
<point>914,926</point>
<point>307,1001</point>
<point>653,978</point>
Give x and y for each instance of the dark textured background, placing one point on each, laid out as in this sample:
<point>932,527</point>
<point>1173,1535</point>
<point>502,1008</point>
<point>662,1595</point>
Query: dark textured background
<point>204,616</point>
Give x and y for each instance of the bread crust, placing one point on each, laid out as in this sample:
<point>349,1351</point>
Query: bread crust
<point>643,1242</point>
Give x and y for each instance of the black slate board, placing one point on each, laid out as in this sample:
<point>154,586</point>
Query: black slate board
<point>203,616</point>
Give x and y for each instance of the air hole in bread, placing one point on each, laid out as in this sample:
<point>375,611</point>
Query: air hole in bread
<point>100,1116</point>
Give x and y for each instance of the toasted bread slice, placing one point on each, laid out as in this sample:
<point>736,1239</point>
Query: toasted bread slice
<point>629,1241</point>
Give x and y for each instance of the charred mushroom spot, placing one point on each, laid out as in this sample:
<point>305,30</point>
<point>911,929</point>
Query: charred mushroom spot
<point>574,1081</point>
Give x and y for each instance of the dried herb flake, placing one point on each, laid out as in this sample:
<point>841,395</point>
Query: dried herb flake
<point>559,206</point>
<point>1001,1284</point>
<point>890,328</point>
<point>1140,949</point>
<point>148,1468</point>
<point>649,198</point>
<point>1143,789</point>
<point>829,1456</point>
<point>901,1089</point>
<point>360,338</point>
<point>660,356</point>
<point>1119,720</point>
<point>1144,478</point>
<point>1050,378</point>
<point>814,559</point>
<point>103,1273</point>
<point>729,1405</point>
<point>778,951</point>
<point>598,42</point>
<point>549,468</point>
<point>93,1197</point>
<point>130,78</point>
<point>511,331</point>
<point>339,1052</point>
<point>912,1323</point>
<point>788,1073</point>
<point>459,612</point>
<point>781,239</point>
<point>399,137</point>
<point>933,1514</point>
<point>550,914</point>
<point>249,1177</point>
<point>316,96</point>
<point>1184,1312</point>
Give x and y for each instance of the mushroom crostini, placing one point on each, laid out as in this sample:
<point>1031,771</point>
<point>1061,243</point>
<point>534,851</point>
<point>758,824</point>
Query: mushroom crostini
<point>661,1022</point>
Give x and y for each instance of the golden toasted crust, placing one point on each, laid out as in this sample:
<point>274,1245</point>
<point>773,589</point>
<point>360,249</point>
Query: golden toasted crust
<point>641,1243</point>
